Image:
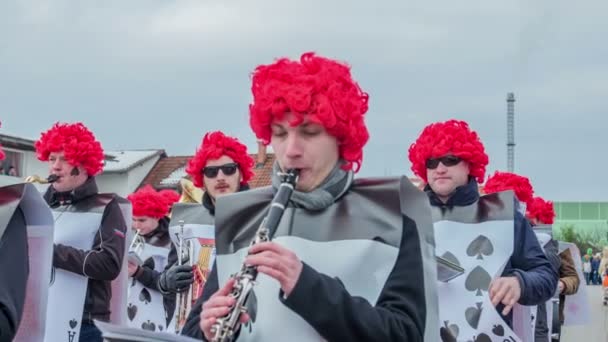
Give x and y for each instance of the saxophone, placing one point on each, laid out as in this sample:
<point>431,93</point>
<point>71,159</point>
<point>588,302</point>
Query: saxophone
<point>37,179</point>
<point>225,327</point>
<point>183,305</point>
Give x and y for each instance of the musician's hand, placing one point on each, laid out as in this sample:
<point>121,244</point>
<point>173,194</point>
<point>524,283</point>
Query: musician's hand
<point>218,305</point>
<point>505,290</point>
<point>177,278</point>
<point>277,262</point>
<point>132,269</point>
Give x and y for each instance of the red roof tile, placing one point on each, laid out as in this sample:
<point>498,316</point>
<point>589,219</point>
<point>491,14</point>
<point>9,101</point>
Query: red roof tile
<point>165,166</point>
<point>262,172</point>
<point>162,169</point>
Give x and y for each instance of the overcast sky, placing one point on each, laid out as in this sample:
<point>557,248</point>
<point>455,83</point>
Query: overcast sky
<point>161,73</point>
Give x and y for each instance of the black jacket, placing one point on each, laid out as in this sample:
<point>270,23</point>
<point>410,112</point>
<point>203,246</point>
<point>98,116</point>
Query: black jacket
<point>14,270</point>
<point>103,262</point>
<point>541,330</point>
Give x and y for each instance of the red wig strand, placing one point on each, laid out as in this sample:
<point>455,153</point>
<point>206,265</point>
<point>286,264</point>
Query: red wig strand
<point>314,89</point>
<point>501,181</point>
<point>449,137</point>
<point>214,146</point>
<point>78,144</point>
<point>148,202</point>
<point>540,210</point>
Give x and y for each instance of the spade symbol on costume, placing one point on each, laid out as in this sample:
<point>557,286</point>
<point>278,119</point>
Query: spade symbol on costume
<point>482,338</point>
<point>144,296</point>
<point>131,311</point>
<point>498,330</point>
<point>148,326</point>
<point>73,323</point>
<point>449,333</point>
<point>478,280</point>
<point>160,328</point>
<point>451,258</point>
<point>480,246</point>
<point>472,315</point>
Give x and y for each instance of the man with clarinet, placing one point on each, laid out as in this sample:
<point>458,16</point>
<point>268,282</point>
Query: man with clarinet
<point>348,260</point>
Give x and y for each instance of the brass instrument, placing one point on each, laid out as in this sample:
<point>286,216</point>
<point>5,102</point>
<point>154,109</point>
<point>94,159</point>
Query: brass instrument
<point>138,244</point>
<point>185,254</point>
<point>37,179</point>
<point>190,193</point>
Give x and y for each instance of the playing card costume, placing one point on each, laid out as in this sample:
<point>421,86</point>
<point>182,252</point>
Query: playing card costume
<point>485,235</point>
<point>197,233</point>
<point>87,283</point>
<point>541,316</point>
<point>147,308</point>
<point>574,308</point>
<point>366,245</point>
<point>541,214</point>
<point>13,264</point>
<point>26,244</point>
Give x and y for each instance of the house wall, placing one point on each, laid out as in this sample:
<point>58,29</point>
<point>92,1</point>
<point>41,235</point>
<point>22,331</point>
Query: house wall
<point>124,183</point>
<point>139,172</point>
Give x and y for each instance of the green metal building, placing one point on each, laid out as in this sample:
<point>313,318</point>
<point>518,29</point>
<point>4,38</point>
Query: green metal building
<point>588,219</point>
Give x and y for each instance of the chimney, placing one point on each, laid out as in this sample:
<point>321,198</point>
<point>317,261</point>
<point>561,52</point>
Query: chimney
<point>510,132</point>
<point>261,158</point>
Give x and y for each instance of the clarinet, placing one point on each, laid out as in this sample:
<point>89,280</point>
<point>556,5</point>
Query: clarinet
<point>225,327</point>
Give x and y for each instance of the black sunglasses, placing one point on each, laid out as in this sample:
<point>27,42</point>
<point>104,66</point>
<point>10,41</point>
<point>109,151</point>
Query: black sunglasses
<point>432,163</point>
<point>227,169</point>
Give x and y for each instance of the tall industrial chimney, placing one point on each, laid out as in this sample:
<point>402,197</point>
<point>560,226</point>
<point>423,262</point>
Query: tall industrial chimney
<point>510,132</point>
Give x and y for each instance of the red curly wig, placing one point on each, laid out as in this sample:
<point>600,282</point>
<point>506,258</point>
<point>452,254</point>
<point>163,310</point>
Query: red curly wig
<point>449,137</point>
<point>78,144</point>
<point>540,210</point>
<point>1,152</point>
<point>501,181</point>
<point>314,89</point>
<point>214,146</point>
<point>148,202</point>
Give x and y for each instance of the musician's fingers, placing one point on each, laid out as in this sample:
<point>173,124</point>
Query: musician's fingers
<point>205,326</point>
<point>218,301</point>
<point>273,273</point>
<point>268,246</point>
<point>244,318</point>
<point>268,259</point>
<point>216,312</point>
<point>183,269</point>
<point>207,323</point>
<point>183,275</point>
<point>226,289</point>
<point>499,292</point>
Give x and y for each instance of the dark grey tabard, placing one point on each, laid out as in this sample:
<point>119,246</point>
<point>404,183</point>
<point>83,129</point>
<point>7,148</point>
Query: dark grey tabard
<point>356,239</point>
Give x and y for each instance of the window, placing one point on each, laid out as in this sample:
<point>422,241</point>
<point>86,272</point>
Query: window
<point>604,211</point>
<point>12,165</point>
<point>590,211</point>
<point>569,211</point>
